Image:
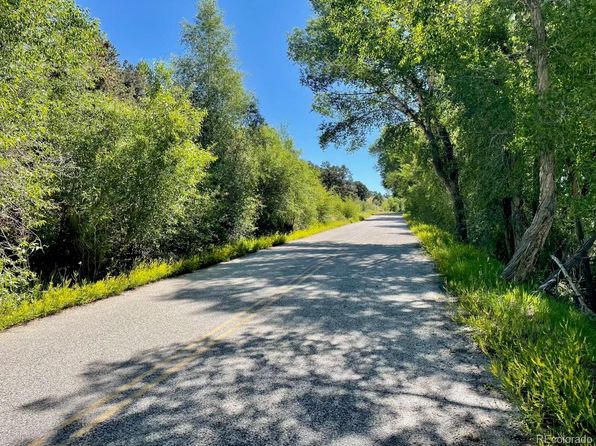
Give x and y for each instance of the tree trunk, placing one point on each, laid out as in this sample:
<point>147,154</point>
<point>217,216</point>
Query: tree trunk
<point>523,261</point>
<point>515,224</point>
<point>518,219</point>
<point>442,153</point>
<point>532,242</point>
<point>586,269</point>
<point>586,272</point>
<point>507,208</point>
<point>446,168</point>
<point>452,175</point>
<point>459,210</point>
<point>512,205</point>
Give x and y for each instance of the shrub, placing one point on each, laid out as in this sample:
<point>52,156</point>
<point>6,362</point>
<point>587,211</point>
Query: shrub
<point>58,297</point>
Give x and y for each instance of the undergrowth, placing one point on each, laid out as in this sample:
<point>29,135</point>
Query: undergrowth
<point>58,297</point>
<point>542,350</point>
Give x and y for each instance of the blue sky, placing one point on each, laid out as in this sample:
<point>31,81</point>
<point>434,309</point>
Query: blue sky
<point>150,30</point>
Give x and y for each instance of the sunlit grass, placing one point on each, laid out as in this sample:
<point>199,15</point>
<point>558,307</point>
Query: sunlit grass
<point>542,350</point>
<point>59,297</point>
<point>322,227</point>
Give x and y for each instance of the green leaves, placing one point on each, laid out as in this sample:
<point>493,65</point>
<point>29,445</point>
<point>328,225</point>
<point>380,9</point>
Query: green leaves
<point>45,63</point>
<point>452,87</point>
<point>104,164</point>
<point>208,70</point>
<point>137,170</point>
<point>289,190</point>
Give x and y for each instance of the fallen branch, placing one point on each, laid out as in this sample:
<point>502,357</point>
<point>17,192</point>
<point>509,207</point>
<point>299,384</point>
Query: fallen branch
<point>570,265</point>
<point>585,309</point>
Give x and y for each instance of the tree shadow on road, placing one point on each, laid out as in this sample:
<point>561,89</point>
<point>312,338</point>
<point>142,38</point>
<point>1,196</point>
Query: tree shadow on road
<point>362,353</point>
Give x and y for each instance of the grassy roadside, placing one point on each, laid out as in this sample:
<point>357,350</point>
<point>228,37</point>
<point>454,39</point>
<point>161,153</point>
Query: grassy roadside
<point>59,297</point>
<point>543,351</point>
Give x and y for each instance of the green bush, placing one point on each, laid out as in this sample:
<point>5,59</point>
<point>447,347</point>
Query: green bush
<point>542,350</point>
<point>350,208</point>
<point>137,170</point>
<point>394,204</point>
<point>289,189</point>
<point>58,297</point>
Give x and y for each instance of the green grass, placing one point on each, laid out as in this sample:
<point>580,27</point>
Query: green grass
<point>59,297</point>
<point>543,351</point>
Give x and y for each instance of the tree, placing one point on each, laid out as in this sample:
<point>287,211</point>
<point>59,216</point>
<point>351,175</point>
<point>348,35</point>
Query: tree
<point>511,100</point>
<point>408,173</point>
<point>362,191</point>
<point>337,179</point>
<point>481,75</point>
<point>289,189</point>
<point>104,164</point>
<point>46,63</point>
<point>208,70</point>
<point>532,242</point>
<point>133,168</point>
<point>361,61</point>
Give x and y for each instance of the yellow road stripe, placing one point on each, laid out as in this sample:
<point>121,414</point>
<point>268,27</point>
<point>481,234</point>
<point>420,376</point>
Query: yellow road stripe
<point>121,405</point>
<point>238,322</point>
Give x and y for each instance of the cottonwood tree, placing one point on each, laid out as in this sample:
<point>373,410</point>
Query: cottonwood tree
<point>484,78</point>
<point>362,191</point>
<point>337,179</point>
<point>361,61</point>
<point>532,242</point>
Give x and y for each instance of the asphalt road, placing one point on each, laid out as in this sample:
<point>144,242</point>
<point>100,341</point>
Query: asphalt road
<point>343,338</point>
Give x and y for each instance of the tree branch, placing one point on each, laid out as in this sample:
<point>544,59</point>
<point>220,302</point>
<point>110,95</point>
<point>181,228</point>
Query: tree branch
<point>578,295</point>
<point>571,264</point>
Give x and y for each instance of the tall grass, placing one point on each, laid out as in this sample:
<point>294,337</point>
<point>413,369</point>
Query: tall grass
<point>64,295</point>
<point>542,350</point>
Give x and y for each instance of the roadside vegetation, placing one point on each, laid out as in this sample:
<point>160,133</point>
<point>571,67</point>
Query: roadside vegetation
<point>67,294</point>
<point>487,139</point>
<point>542,350</point>
<point>114,175</point>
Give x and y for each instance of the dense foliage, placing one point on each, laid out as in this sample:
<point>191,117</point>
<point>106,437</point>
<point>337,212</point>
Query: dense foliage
<point>484,110</point>
<point>106,165</point>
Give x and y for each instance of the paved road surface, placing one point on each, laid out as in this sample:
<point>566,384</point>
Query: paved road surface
<point>338,339</point>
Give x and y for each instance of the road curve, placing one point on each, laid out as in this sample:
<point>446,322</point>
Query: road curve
<point>342,338</point>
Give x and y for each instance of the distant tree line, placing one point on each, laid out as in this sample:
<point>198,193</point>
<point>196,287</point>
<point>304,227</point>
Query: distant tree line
<point>338,179</point>
<point>486,113</point>
<point>104,164</point>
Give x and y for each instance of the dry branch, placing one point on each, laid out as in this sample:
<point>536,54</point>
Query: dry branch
<point>585,309</point>
<point>569,265</point>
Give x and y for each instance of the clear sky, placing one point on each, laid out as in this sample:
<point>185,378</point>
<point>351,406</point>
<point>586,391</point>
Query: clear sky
<point>150,30</point>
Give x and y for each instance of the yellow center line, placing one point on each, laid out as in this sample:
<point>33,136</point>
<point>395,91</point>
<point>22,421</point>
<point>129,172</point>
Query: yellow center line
<point>231,325</point>
<point>118,407</point>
